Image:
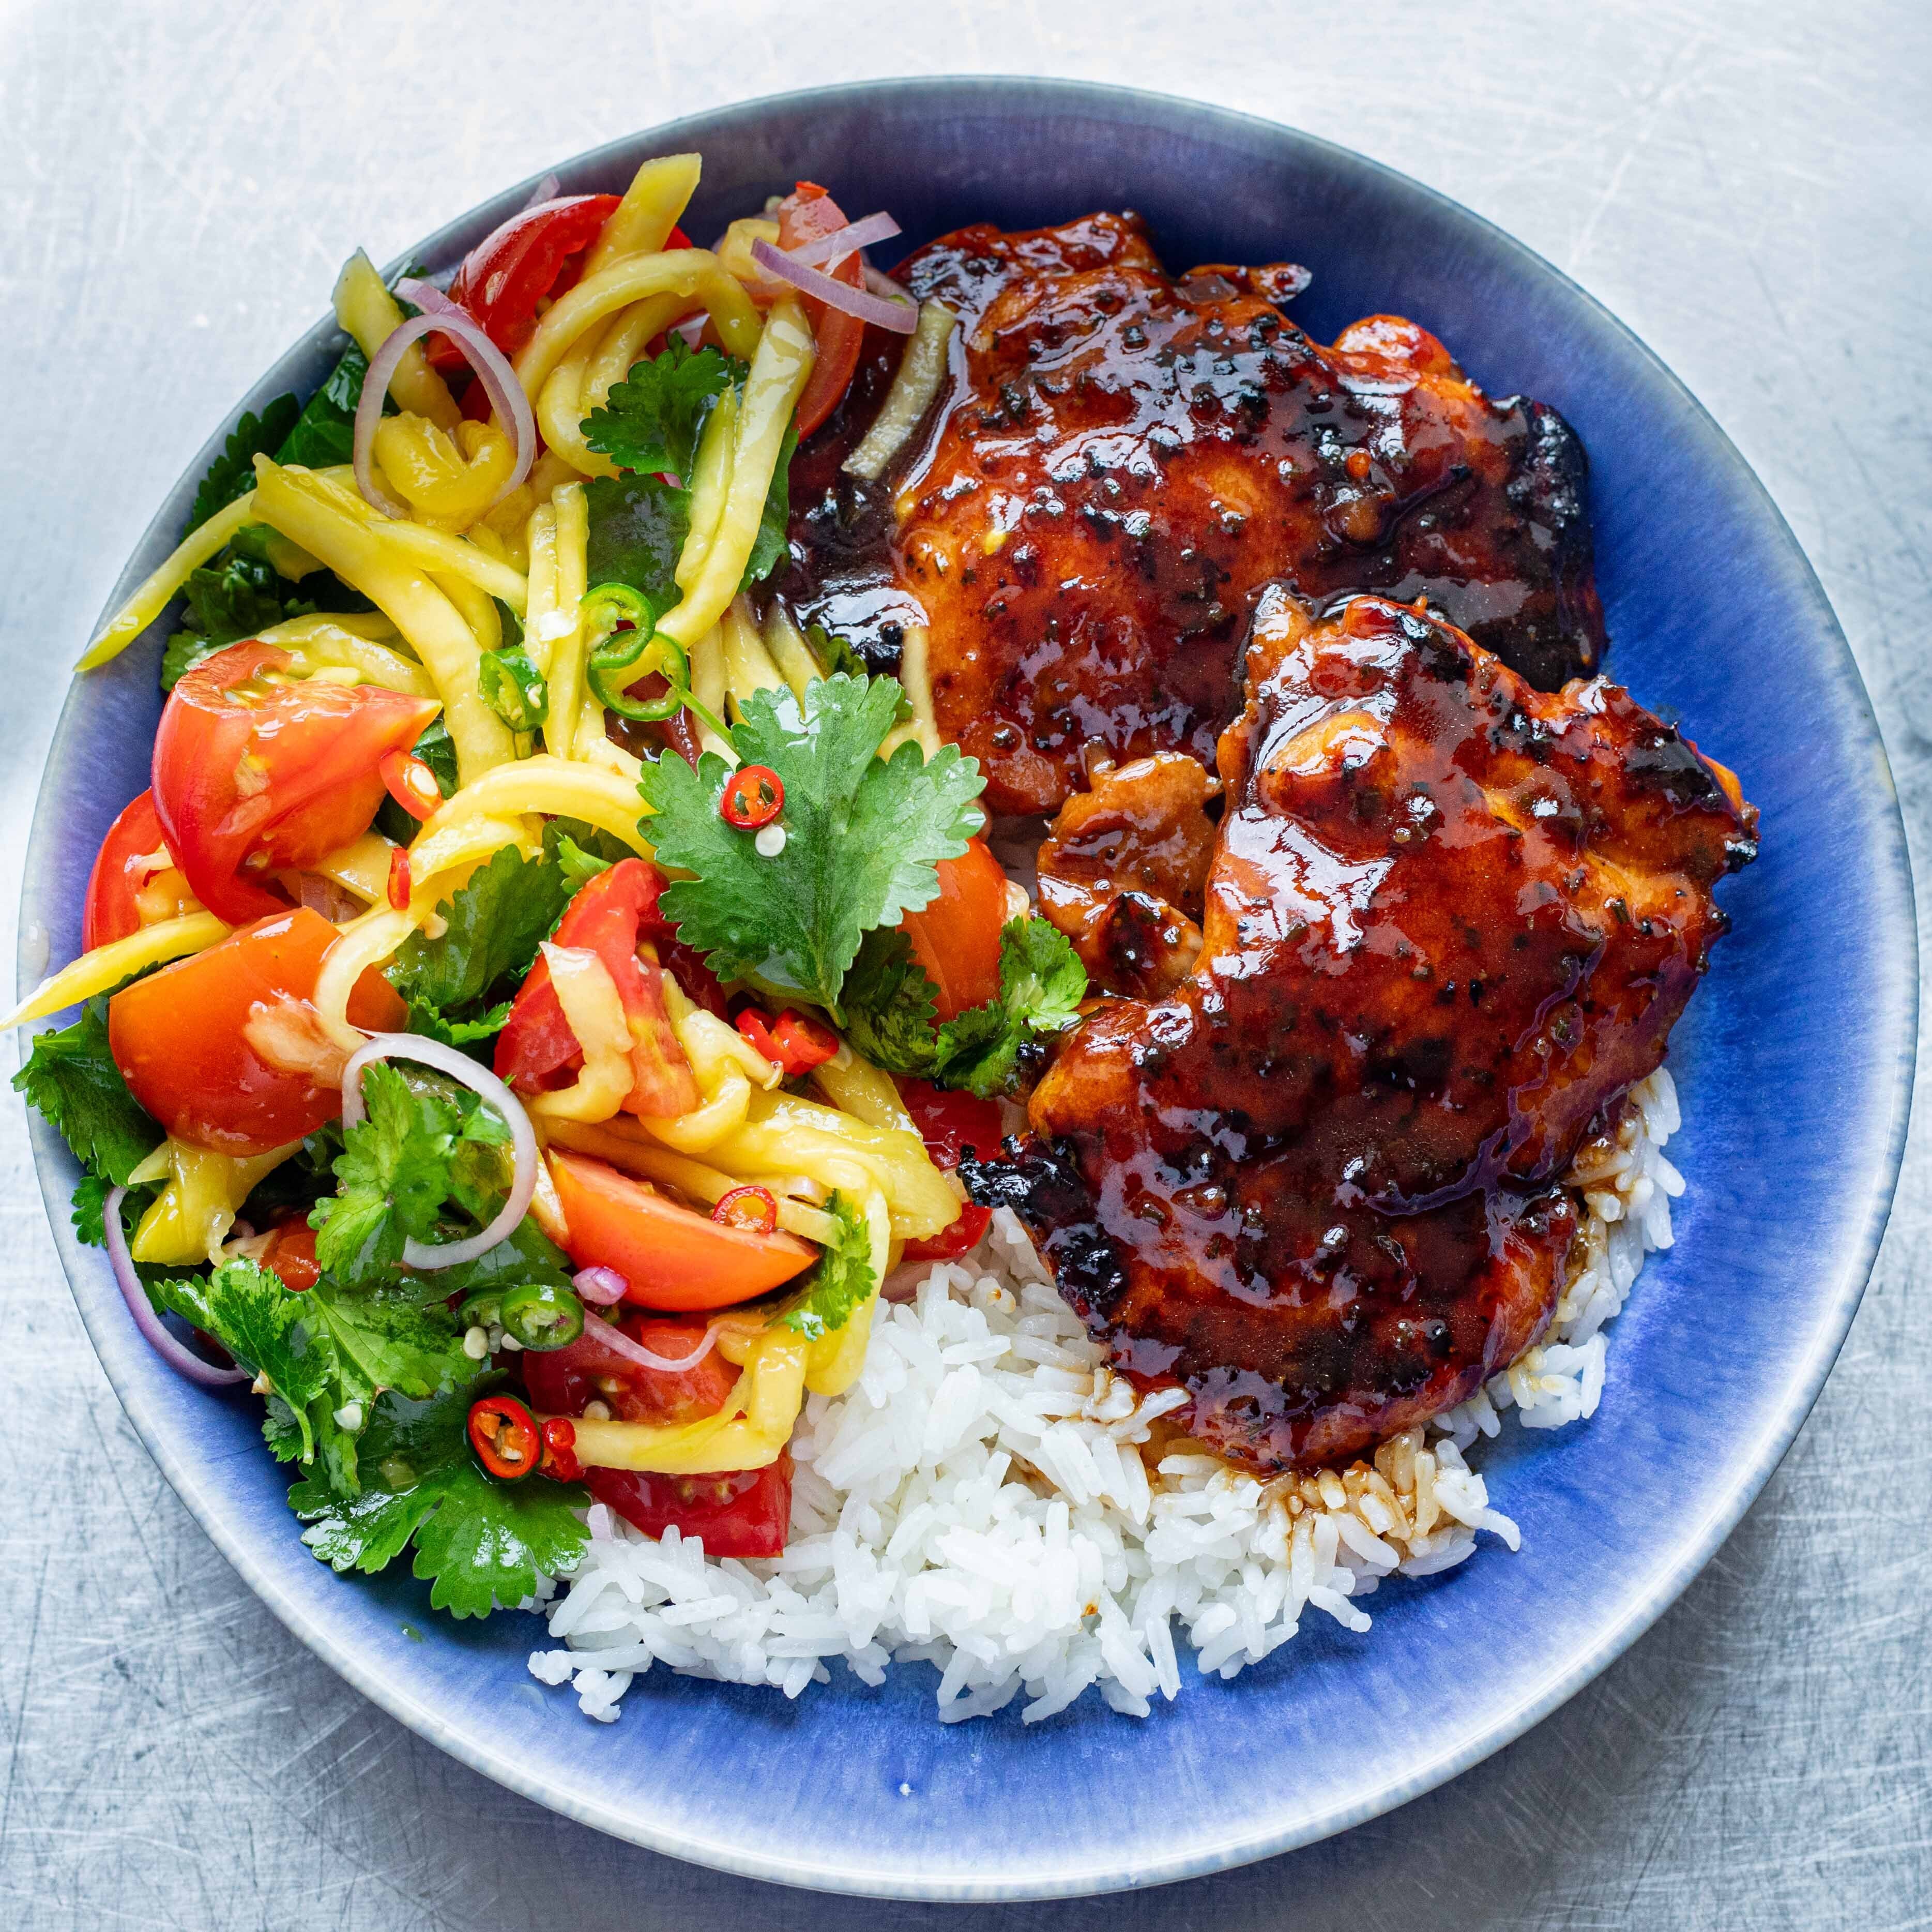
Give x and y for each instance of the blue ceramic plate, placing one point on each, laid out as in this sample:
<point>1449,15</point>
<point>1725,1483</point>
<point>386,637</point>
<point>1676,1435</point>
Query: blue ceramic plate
<point>1795,1064</point>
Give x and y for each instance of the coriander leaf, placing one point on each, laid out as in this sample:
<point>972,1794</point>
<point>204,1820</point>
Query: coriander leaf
<point>864,835</point>
<point>88,1210</point>
<point>592,842</point>
<point>479,1543</point>
<point>979,1049</point>
<point>1041,978</point>
<point>1042,983</point>
<point>840,1280</point>
<point>71,1076</point>
<point>525,1253</point>
<point>488,1542</point>
<point>426,1020</point>
<point>888,1003</point>
<point>248,1311</point>
<point>232,474</point>
<point>366,1532</point>
<point>771,547</point>
<point>652,421</point>
<point>239,599</point>
<point>325,433</point>
<point>183,651</point>
<point>638,525</point>
<point>386,1341</point>
<point>513,688</point>
<point>494,922</point>
<point>399,1167</point>
<point>580,867</point>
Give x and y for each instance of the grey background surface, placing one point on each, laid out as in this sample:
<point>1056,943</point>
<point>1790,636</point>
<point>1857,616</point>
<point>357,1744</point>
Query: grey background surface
<point>1746,184</point>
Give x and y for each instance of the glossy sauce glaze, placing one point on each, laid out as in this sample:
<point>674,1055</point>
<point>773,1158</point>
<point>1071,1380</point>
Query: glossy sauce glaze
<point>1120,461</point>
<point>1451,920</point>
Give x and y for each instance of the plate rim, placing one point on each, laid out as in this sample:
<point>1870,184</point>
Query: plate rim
<point>115,1341</point>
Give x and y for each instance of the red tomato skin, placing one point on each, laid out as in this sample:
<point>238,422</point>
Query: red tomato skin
<point>110,912</point>
<point>278,777</point>
<point>290,1254</point>
<point>536,253</point>
<point>951,1242</point>
<point>809,213</point>
<point>180,1036</point>
<point>614,916</point>
<point>951,1124</point>
<point>561,1381</point>
<point>745,1513</point>
<point>955,936</point>
<point>672,1256</point>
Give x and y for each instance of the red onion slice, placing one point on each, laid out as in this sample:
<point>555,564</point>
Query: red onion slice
<point>619,1343</point>
<point>901,317</point>
<point>846,241</point>
<point>441,317</point>
<point>603,1286</point>
<point>460,1067</point>
<point>548,189</point>
<point>178,1355</point>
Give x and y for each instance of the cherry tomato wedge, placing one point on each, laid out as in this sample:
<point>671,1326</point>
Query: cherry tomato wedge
<point>290,1254</point>
<point>749,1208</point>
<point>956,937</point>
<point>225,1049</point>
<point>951,1124</point>
<point>745,1513</point>
<point>809,213</point>
<point>672,1256</point>
<point>562,1381</point>
<point>538,252</point>
<point>615,915</point>
<point>255,769</point>
<point>950,1243</point>
<point>755,796</point>
<point>505,1435</point>
<point>132,853</point>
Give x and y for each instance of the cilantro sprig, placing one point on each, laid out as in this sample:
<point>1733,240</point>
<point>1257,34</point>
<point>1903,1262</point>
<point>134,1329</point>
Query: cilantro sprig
<point>71,1078</point>
<point>840,1280</point>
<point>424,1147</point>
<point>650,425</point>
<point>492,926</point>
<point>368,1394</point>
<point>863,837</point>
<point>479,1544</point>
<point>232,474</point>
<point>889,1005</point>
<point>652,421</point>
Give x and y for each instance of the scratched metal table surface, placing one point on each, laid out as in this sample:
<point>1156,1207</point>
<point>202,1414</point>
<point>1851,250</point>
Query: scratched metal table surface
<point>1745,185</point>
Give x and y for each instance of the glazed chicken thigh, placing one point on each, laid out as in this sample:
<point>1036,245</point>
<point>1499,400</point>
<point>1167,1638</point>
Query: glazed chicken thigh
<point>1451,920</point>
<point>1119,462</point>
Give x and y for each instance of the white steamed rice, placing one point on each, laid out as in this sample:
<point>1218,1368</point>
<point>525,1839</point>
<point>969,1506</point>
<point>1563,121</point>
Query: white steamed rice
<point>989,1499</point>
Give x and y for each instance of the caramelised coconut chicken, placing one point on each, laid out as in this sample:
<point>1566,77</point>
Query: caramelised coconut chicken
<point>1119,463</point>
<point>1450,921</point>
<point>1375,985</point>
